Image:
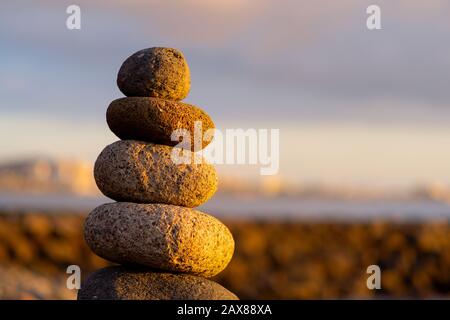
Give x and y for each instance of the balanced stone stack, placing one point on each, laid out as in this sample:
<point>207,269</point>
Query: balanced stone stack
<point>166,248</point>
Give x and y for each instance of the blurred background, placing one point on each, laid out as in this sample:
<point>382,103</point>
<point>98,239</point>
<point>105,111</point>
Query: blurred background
<point>364,138</point>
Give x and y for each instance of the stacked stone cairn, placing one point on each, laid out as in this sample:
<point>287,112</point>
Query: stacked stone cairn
<point>165,248</point>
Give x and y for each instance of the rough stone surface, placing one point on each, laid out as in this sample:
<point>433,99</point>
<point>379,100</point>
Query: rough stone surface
<point>155,72</point>
<point>124,283</point>
<point>129,170</point>
<point>164,237</point>
<point>154,120</point>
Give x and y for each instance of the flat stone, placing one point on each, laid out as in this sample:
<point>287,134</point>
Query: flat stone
<point>155,72</point>
<point>154,120</point>
<point>135,171</point>
<point>124,283</point>
<point>164,237</point>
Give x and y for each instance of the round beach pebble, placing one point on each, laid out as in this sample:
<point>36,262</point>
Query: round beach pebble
<point>135,171</point>
<point>154,120</point>
<point>125,283</point>
<point>155,72</point>
<point>160,236</point>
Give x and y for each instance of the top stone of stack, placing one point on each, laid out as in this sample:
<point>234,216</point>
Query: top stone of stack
<point>155,72</point>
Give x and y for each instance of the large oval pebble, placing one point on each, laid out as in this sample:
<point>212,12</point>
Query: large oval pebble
<point>135,171</point>
<point>155,72</point>
<point>155,120</point>
<point>125,283</point>
<point>164,237</point>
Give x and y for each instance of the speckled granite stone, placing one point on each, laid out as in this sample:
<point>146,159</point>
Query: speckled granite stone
<point>129,170</point>
<point>154,120</point>
<point>155,72</point>
<point>124,283</point>
<point>160,236</point>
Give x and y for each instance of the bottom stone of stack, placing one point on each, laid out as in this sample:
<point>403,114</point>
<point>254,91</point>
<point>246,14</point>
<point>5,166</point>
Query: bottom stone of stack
<point>127,283</point>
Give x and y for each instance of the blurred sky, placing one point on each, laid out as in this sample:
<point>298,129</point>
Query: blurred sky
<point>354,106</point>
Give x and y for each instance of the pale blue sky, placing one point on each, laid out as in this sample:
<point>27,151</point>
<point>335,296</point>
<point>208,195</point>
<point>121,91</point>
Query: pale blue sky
<point>310,68</point>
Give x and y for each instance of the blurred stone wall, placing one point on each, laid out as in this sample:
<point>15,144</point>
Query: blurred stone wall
<point>273,259</point>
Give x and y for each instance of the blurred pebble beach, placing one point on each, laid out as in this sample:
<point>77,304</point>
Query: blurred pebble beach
<point>274,258</point>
